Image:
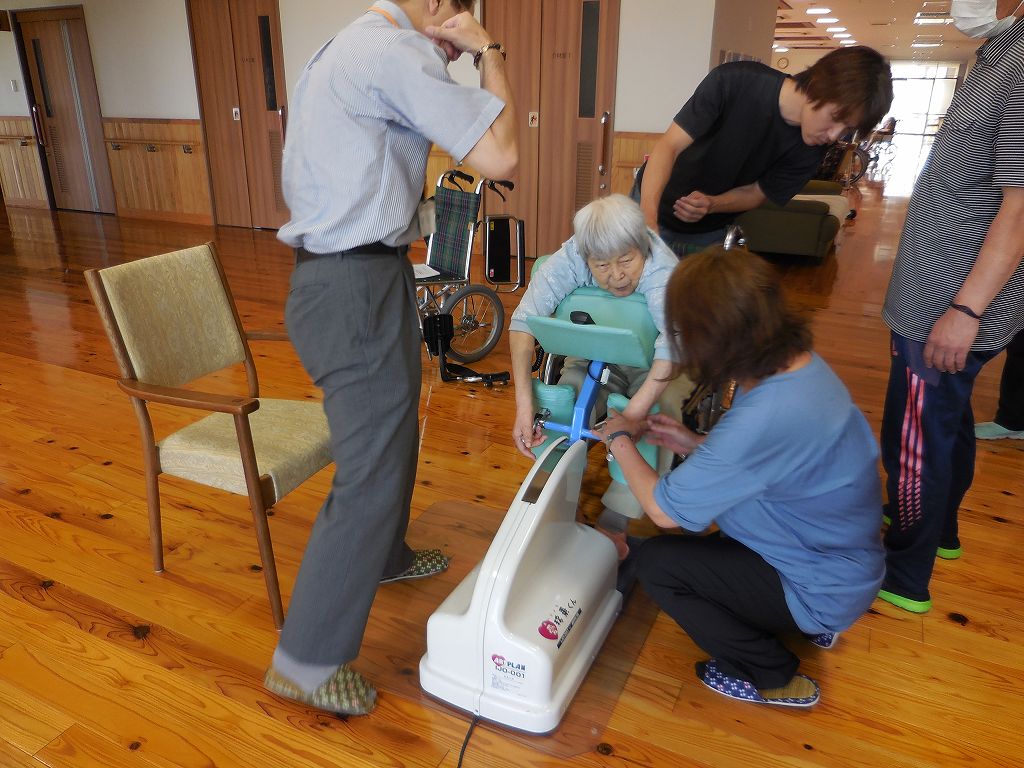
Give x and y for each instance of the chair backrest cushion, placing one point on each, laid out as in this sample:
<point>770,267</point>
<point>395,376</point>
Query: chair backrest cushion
<point>174,316</point>
<point>449,247</point>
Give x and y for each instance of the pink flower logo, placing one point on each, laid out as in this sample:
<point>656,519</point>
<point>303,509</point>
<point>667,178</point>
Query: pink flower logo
<point>499,660</point>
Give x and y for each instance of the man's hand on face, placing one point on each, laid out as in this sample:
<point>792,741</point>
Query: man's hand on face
<point>458,35</point>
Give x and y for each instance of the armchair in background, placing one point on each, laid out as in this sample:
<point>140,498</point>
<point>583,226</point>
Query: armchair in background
<point>808,225</point>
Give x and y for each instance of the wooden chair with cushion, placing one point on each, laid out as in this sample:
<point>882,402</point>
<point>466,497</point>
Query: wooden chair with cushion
<point>171,320</point>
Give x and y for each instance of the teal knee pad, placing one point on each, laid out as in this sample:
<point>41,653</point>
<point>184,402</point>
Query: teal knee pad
<point>559,399</point>
<point>617,402</point>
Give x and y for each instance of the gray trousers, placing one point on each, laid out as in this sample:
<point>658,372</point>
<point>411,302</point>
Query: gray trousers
<point>352,319</point>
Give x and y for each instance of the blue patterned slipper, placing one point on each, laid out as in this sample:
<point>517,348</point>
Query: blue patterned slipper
<point>801,691</point>
<point>824,640</point>
<point>427,562</point>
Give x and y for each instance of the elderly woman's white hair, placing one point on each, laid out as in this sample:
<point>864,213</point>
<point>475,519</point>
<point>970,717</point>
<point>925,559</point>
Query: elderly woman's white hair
<point>609,227</point>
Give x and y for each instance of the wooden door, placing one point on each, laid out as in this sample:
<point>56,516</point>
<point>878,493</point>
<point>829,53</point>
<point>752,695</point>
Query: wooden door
<point>65,108</point>
<point>504,20</point>
<point>259,69</point>
<point>565,100</point>
<point>240,76</point>
<point>213,55</point>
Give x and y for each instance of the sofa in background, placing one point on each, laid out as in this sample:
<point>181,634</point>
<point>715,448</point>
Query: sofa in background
<point>808,225</point>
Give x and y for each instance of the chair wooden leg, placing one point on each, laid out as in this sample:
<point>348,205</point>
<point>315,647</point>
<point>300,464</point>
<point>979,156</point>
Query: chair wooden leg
<point>259,516</point>
<point>259,519</point>
<point>156,537</point>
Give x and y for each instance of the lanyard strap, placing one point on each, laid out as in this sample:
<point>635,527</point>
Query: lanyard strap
<point>383,13</point>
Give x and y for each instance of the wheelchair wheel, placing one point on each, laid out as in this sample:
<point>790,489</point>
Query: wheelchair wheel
<point>479,319</point>
<point>859,163</point>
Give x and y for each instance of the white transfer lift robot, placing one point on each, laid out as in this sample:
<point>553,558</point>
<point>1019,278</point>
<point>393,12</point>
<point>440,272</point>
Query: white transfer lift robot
<point>514,640</point>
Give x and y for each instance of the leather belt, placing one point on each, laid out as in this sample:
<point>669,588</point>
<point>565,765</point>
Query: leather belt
<point>374,249</point>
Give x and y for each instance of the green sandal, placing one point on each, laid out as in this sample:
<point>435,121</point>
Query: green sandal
<point>345,692</point>
<point>914,606</point>
<point>427,562</point>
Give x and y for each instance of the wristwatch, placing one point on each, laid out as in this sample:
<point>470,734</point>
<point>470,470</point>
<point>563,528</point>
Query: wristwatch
<point>484,49</point>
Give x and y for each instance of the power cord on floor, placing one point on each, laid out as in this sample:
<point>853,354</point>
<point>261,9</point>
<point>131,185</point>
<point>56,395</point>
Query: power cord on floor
<point>465,743</point>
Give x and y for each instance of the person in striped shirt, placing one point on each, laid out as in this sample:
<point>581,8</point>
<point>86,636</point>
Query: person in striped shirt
<point>955,299</point>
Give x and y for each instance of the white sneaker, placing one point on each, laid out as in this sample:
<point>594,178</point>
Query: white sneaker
<point>989,430</point>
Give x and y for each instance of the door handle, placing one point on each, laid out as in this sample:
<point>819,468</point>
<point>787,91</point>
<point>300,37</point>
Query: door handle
<point>606,124</point>
<point>236,114</point>
<point>37,124</point>
<point>282,120</point>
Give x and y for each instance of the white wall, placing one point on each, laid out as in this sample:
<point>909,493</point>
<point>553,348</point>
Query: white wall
<point>664,49</point>
<point>141,55</point>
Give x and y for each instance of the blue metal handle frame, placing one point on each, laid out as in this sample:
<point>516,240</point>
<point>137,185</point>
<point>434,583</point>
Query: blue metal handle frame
<point>584,406</point>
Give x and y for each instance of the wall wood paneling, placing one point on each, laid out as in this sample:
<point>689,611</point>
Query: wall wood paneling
<point>628,150</point>
<point>21,173</point>
<point>159,169</point>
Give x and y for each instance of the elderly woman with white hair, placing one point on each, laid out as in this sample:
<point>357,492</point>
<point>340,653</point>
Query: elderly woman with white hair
<point>611,248</point>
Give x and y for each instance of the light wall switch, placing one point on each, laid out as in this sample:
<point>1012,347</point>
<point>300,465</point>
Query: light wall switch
<point>14,86</point>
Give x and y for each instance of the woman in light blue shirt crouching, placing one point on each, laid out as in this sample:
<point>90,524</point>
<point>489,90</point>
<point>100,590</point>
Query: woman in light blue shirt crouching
<point>788,475</point>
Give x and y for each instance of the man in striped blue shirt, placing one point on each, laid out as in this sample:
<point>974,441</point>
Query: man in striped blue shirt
<point>956,298</point>
<point>364,113</point>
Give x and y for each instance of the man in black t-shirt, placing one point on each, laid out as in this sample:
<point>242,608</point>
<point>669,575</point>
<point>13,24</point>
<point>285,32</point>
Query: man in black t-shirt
<point>751,133</point>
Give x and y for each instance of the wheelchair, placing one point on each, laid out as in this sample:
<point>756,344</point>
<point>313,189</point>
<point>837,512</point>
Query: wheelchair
<point>443,284</point>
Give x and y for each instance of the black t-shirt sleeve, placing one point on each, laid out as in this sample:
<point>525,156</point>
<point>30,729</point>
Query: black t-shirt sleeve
<point>703,109</point>
<point>790,172</point>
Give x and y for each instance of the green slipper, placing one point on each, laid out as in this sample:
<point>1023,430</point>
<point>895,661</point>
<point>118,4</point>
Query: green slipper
<point>914,606</point>
<point>946,553</point>
<point>426,562</point>
<point>345,692</point>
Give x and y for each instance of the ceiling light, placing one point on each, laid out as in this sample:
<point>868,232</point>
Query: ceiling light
<point>925,45</point>
<point>781,50</point>
<point>836,29</point>
<point>841,35</point>
<point>818,11</point>
<point>848,42</point>
<point>924,20</point>
<point>830,20</point>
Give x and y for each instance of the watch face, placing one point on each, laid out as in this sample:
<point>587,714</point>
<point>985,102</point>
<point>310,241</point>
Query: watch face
<point>782,63</point>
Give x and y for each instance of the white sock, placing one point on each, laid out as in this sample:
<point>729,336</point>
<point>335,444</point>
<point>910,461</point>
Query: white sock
<point>308,677</point>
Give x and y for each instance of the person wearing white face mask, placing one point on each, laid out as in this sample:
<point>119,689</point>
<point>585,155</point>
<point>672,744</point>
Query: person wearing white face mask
<point>955,300</point>
<point>985,18</point>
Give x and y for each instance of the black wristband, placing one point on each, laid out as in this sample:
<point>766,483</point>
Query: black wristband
<point>965,309</point>
<point>620,433</point>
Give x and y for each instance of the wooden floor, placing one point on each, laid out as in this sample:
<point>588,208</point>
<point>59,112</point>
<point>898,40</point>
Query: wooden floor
<point>103,663</point>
